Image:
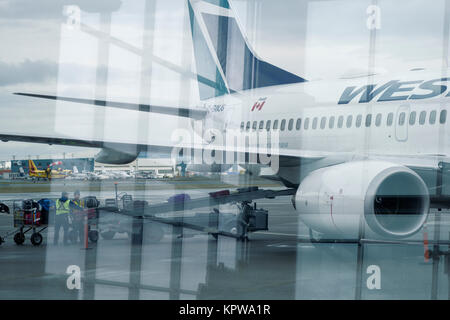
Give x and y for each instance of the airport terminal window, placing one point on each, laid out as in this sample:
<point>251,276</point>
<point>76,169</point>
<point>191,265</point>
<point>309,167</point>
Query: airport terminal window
<point>323,122</point>
<point>331,123</point>
<point>340,121</point>
<point>349,121</point>
<point>433,117</point>
<point>401,119</point>
<point>268,125</point>
<point>283,124</point>
<point>306,124</point>
<point>314,123</point>
<point>390,119</point>
<point>368,120</point>
<point>443,116</point>
<point>378,120</point>
<point>261,125</point>
<point>248,125</point>
<point>298,125</point>
<point>422,117</point>
<point>412,118</point>
<point>255,124</point>
<point>275,125</point>
<point>290,124</point>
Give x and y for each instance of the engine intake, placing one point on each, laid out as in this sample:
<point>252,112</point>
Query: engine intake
<point>393,200</point>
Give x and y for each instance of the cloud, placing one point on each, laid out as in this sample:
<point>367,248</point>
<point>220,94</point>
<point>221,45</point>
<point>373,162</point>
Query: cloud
<point>27,71</point>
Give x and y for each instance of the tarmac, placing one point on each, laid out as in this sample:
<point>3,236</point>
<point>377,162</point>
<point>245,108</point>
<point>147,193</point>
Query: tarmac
<point>185,264</point>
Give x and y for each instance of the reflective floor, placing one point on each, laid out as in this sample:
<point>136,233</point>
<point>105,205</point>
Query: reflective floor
<point>187,264</point>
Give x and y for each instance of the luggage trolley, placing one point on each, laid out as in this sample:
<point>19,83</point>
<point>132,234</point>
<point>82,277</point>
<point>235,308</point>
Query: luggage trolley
<point>28,216</point>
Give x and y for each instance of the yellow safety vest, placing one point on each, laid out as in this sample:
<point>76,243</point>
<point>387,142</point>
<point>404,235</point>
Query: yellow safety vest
<point>79,202</point>
<point>62,207</point>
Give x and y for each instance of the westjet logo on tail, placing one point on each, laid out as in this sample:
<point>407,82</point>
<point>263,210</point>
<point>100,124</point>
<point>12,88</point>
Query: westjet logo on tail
<point>395,90</point>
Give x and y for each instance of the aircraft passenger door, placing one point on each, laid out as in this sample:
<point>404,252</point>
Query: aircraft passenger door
<point>401,123</point>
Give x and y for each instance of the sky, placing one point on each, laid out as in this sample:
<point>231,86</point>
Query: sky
<point>150,57</point>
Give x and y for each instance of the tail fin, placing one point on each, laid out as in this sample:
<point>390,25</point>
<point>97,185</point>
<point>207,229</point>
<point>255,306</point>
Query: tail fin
<point>225,61</point>
<point>31,166</point>
<point>75,169</point>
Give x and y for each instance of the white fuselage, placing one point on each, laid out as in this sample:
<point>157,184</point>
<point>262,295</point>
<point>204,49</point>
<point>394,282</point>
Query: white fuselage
<point>310,119</point>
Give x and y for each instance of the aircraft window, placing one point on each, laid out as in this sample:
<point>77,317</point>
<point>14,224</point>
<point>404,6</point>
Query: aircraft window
<point>331,122</point>
<point>323,122</point>
<point>422,117</point>
<point>378,120</point>
<point>283,124</point>
<point>242,125</point>
<point>368,120</point>
<point>275,125</point>
<point>314,124</point>
<point>412,118</point>
<point>255,123</point>
<point>248,125</point>
<point>349,121</point>
<point>358,121</point>
<point>433,117</point>
<point>306,125</point>
<point>401,119</point>
<point>268,125</point>
<point>340,121</point>
<point>443,116</point>
<point>261,125</point>
<point>298,125</point>
<point>291,124</point>
<point>390,119</point>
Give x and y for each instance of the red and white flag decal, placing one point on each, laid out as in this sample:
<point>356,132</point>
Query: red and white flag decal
<point>259,104</point>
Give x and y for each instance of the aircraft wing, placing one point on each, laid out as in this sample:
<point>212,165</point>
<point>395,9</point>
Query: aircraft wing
<point>174,111</point>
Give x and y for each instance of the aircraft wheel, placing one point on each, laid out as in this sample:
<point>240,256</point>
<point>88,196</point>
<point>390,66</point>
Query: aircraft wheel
<point>19,238</point>
<point>36,239</point>
<point>93,235</point>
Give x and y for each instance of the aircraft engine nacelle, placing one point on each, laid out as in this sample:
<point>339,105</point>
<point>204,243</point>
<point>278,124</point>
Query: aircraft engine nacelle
<point>114,156</point>
<point>392,199</point>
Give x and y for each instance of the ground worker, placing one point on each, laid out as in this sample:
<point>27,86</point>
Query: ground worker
<point>61,217</point>
<point>77,218</point>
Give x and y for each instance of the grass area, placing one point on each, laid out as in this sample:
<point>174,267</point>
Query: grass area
<point>179,183</point>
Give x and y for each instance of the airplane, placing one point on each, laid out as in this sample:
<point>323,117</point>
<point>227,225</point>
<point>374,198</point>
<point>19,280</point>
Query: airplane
<point>365,149</point>
<point>76,175</point>
<point>46,174</point>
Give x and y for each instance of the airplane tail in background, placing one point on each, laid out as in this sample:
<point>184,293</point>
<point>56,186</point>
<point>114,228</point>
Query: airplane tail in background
<point>31,166</point>
<point>75,169</point>
<point>225,61</point>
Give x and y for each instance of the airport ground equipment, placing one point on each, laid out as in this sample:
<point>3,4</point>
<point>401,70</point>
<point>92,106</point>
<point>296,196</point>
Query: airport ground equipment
<point>88,218</point>
<point>28,216</point>
<point>249,218</point>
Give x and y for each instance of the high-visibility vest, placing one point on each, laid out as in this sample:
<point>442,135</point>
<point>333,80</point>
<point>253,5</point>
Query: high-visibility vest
<point>78,202</point>
<point>62,207</point>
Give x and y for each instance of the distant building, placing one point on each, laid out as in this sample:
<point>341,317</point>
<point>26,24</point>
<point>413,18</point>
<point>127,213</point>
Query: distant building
<point>82,164</point>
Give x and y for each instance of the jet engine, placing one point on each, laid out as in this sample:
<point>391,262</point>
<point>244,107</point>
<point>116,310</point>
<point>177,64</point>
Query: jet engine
<point>392,200</point>
<point>114,156</point>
